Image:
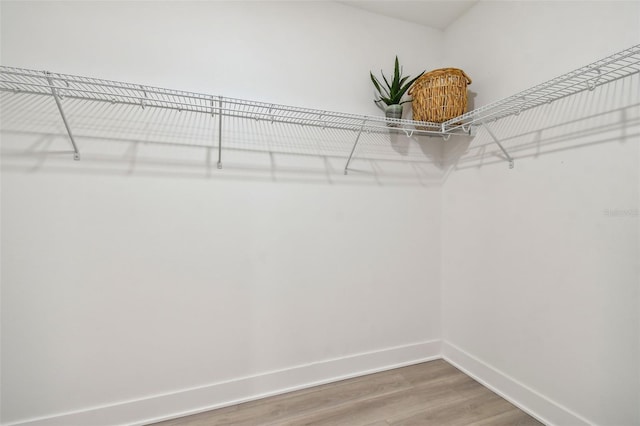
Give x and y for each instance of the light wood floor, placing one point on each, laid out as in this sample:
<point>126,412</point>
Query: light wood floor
<point>431,393</point>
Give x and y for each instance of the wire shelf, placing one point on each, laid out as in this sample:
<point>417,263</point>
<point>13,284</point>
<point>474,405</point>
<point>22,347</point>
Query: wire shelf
<point>20,80</point>
<point>64,86</point>
<point>607,70</point>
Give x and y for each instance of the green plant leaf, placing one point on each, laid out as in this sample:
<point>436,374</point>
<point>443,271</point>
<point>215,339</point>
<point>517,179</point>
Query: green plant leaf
<point>396,77</point>
<point>375,82</point>
<point>408,85</point>
<point>381,90</point>
<point>386,82</point>
<point>386,101</point>
<point>393,93</point>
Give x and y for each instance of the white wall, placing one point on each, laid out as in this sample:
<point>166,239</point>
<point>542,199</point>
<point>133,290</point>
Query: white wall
<point>540,263</point>
<point>316,54</point>
<point>142,282</point>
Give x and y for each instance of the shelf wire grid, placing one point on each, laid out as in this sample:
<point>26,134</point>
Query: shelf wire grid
<point>607,70</point>
<point>118,129</point>
<point>27,81</point>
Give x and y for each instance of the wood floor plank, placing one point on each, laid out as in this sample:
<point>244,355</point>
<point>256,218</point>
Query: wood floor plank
<point>400,404</point>
<point>472,404</point>
<point>360,413</point>
<point>427,372</point>
<point>430,393</point>
<point>432,404</point>
<point>452,412</point>
<point>514,417</point>
<point>276,409</point>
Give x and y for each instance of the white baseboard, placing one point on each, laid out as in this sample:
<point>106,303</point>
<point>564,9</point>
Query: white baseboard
<point>191,401</point>
<point>216,395</point>
<point>523,397</point>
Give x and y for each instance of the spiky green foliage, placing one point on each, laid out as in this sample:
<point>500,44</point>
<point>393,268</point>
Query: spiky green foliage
<point>391,94</point>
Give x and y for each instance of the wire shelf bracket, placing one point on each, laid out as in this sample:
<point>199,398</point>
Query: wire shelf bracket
<point>220,133</point>
<point>346,167</point>
<point>56,96</point>
<point>495,139</point>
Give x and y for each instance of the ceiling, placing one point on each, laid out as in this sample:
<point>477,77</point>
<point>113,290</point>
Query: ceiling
<point>433,13</point>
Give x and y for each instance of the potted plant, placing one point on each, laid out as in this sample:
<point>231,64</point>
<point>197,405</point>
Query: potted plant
<point>391,94</point>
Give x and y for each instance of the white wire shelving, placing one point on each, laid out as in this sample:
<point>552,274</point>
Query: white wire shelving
<point>63,86</point>
<point>607,70</point>
<point>617,66</point>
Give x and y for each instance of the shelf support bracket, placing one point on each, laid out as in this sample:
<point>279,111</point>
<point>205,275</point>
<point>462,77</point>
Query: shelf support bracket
<point>220,132</point>
<point>495,139</point>
<point>56,96</point>
<point>346,167</point>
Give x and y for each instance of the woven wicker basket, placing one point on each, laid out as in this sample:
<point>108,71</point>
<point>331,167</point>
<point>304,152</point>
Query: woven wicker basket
<point>439,95</point>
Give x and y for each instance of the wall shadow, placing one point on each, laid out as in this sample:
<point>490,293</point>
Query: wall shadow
<point>122,139</point>
<point>608,114</point>
<point>117,139</point>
